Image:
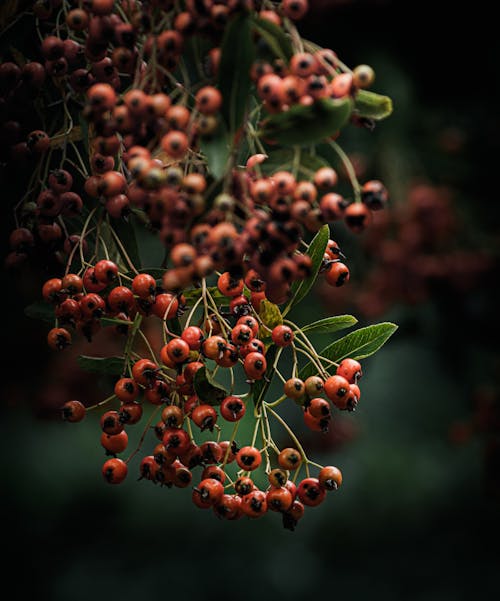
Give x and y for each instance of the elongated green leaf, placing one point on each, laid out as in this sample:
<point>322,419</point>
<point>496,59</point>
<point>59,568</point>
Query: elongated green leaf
<point>304,125</point>
<point>195,293</point>
<point>216,148</point>
<point>372,106</point>
<point>208,390</point>
<point>356,345</point>
<point>316,251</point>
<point>330,324</point>
<point>40,310</point>
<point>260,387</point>
<point>275,38</point>
<point>124,229</point>
<point>283,158</point>
<point>174,325</point>
<point>113,321</point>
<point>102,365</point>
<point>237,56</point>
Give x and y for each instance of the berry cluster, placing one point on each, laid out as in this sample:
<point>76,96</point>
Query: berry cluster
<point>412,251</point>
<point>152,124</point>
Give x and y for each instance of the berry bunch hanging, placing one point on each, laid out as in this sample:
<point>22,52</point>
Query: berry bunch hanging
<point>209,127</point>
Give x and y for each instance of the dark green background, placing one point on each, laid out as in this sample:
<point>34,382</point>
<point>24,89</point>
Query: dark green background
<point>417,517</point>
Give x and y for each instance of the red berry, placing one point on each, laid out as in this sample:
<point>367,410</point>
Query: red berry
<point>232,409</point>
<point>248,458</point>
<point>204,416</point>
<point>310,492</point>
<point>73,411</point>
<point>114,471</point>
<point>350,370</point>
<point>116,443</point>
<point>282,335</point>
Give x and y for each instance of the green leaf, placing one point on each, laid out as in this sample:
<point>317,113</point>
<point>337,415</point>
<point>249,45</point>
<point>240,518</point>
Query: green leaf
<point>208,390</point>
<point>356,345</point>
<point>260,387</point>
<point>237,56</point>
<point>275,38</point>
<point>216,148</point>
<point>174,325</point>
<point>125,231</point>
<point>283,158</point>
<point>270,315</point>
<point>113,321</point>
<point>372,106</point>
<point>316,251</point>
<point>102,365</point>
<point>195,293</point>
<point>330,324</point>
<point>307,124</point>
<point>40,310</point>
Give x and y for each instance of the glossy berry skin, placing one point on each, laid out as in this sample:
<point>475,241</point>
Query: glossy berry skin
<point>126,390</point>
<point>310,492</point>
<point>58,339</point>
<point>241,334</point>
<point>172,416</point>
<point>210,490</point>
<point>294,388</point>
<point>121,299</point>
<point>165,306</point>
<point>176,440</point>
<point>350,369</point>
<point>52,290</point>
<point>255,366</point>
<point>114,471</point>
<point>336,387</point>
<point>204,416</point>
<point>73,411</point>
<point>144,372</point>
<point>282,335</point>
<point>244,485</point>
<point>330,477</point>
<point>228,507</point>
<point>278,477</point>
<point>213,347</point>
<point>313,385</point>
<point>251,322</point>
<point>289,459</point>
<point>293,515</point>
<point>116,443</point>
<point>254,504</point>
<point>214,472</point>
<point>319,408</point>
<point>338,274</point>
<point>143,285</point>
<point>130,413</point>
<point>194,336</point>
<point>178,350</point>
<point>232,409</point>
<point>279,499</point>
<point>106,271</point>
<point>111,423</point>
<point>316,424</point>
<point>229,286</point>
<point>248,458</point>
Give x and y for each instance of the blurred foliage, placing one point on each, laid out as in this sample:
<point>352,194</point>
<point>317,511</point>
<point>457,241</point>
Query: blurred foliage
<point>417,516</point>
